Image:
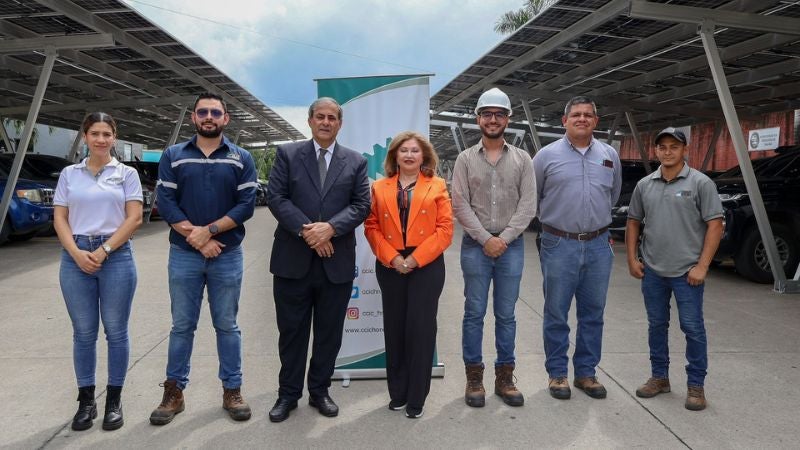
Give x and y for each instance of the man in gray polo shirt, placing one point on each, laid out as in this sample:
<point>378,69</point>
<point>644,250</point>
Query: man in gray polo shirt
<point>683,214</point>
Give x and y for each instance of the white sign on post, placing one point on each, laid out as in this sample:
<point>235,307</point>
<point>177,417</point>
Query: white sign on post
<point>764,139</point>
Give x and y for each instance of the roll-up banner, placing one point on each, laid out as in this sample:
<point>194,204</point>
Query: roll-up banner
<point>374,110</point>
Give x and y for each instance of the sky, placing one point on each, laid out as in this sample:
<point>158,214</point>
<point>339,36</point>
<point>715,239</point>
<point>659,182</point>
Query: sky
<point>276,48</point>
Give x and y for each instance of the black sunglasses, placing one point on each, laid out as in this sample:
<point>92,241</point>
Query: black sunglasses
<point>204,112</point>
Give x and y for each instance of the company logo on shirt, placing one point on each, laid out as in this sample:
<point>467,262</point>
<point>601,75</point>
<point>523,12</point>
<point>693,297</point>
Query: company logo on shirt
<point>233,155</point>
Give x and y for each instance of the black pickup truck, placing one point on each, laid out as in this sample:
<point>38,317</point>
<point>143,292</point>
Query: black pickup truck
<point>779,182</point>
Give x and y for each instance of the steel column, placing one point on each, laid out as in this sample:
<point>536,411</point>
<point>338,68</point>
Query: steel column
<point>706,32</point>
<point>614,127</point>
<point>27,133</point>
<point>639,144</point>
<point>537,144</point>
<point>459,147</point>
<point>76,144</point>
<point>174,137</point>
<point>712,146</point>
<point>4,133</point>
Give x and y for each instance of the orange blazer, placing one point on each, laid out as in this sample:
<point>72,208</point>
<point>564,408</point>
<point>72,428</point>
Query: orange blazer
<point>430,220</point>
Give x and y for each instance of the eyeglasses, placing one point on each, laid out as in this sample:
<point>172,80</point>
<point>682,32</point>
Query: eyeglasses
<point>202,113</point>
<point>499,115</point>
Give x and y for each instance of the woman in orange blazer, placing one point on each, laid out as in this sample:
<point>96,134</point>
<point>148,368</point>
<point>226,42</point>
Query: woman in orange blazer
<point>409,227</point>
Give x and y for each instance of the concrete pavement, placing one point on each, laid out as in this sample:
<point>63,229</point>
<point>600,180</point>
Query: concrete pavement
<point>753,351</point>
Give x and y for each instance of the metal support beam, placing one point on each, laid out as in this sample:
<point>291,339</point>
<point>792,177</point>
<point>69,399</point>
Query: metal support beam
<point>9,147</point>
<point>27,133</point>
<point>712,146</point>
<point>706,32</point>
<point>75,42</point>
<point>459,147</point>
<point>103,105</point>
<point>74,154</point>
<point>614,127</point>
<point>588,23</point>
<point>641,9</point>
<point>537,143</point>
<point>238,135</point>
<point>639,144</point>
<point>174,137</point>
<point>461,135</point>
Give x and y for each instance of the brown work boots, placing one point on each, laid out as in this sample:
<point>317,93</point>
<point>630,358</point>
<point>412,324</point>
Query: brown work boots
<point>233,402</point>
<point>475,394</point>
<point>171,404</point>
<point>695,395</point>
<point>653,387</point>
<point>695,398</point>
<point>504,385</point>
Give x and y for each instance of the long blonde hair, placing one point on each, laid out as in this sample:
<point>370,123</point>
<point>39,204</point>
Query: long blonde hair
<point>429,158</point>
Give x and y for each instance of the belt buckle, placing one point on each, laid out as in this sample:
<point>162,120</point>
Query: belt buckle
<point>583,236</point>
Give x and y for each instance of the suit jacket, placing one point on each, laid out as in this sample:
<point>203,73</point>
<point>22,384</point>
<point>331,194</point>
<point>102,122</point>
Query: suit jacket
<point>430,220</point>
<point>296,198</point>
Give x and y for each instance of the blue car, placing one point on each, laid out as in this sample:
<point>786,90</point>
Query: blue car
<point>30,211</point>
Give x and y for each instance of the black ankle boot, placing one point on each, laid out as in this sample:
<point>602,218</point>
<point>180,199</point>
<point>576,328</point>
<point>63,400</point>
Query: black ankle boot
<point>113,417</point>
<point>87,409</point>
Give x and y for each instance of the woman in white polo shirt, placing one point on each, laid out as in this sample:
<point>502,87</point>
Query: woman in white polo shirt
<point>98,206</point>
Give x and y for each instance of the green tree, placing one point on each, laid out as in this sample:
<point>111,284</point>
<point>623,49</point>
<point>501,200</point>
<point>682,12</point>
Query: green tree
<point>264,158</point>
<point>513,20</point>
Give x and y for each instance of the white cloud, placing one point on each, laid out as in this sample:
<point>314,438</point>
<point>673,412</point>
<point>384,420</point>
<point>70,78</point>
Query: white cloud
<point>275,48</point>
<point>297,116</point>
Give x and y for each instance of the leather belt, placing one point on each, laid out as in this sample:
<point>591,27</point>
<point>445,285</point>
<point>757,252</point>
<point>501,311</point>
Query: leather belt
<point>576,236</point>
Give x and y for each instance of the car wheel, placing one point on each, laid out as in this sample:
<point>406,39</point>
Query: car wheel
<point>752,262</point>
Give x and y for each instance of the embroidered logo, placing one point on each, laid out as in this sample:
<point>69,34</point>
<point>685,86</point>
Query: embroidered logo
<point>233,155</point>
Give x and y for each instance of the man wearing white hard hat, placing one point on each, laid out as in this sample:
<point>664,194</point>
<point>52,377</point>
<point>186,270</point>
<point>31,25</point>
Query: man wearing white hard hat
<point>494,200</point>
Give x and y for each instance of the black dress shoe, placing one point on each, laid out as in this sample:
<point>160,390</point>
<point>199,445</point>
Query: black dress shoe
<point>280,411</point>
<point>325,405</point>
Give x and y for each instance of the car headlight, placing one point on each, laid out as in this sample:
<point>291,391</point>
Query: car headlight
<point>730,197</point>
<point>31,195</point>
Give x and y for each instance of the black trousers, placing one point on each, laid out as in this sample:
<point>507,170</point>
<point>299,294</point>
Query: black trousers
<point>299,305</point>
<point>410,304</point>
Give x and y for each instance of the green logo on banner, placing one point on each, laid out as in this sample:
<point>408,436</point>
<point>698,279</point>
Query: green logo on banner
<point>375,160</point>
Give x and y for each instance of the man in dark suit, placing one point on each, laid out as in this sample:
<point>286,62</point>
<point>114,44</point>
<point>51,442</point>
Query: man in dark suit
<point>319,193</point>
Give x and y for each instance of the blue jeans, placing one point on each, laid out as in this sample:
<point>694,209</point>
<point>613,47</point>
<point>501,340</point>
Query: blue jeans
<point>579,269</point>
<point>657,291</point>
<point>189,273</point>
<point>106,295</point>
<point>505,274</point>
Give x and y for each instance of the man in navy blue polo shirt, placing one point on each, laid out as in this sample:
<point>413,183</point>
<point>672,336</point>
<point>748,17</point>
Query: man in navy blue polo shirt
<point>206,191</point>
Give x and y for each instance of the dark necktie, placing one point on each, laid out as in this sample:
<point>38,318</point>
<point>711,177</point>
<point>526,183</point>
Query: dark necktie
<point>322,166</point>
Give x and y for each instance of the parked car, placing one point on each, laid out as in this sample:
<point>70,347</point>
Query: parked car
<point>148,176</point>
<point>779,182</point>
<point>30,210</point>
<point>632,171</point>
<point>261,193</point>
<point>43,169</point>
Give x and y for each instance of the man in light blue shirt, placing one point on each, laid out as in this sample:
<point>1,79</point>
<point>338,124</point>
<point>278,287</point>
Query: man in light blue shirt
<point>578,181</point>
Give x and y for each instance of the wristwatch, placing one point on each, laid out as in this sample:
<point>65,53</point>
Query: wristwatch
<point>107,248</point>
<point>213,228</point>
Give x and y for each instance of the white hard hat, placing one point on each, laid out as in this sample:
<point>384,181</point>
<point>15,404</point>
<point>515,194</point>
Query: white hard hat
<point>494,97</point>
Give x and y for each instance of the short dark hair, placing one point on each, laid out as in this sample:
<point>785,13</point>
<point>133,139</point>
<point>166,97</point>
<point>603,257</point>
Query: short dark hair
<point>95,117</point>
<point>322,100</point>
<point>579,100</point>
<point>210,96</point>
